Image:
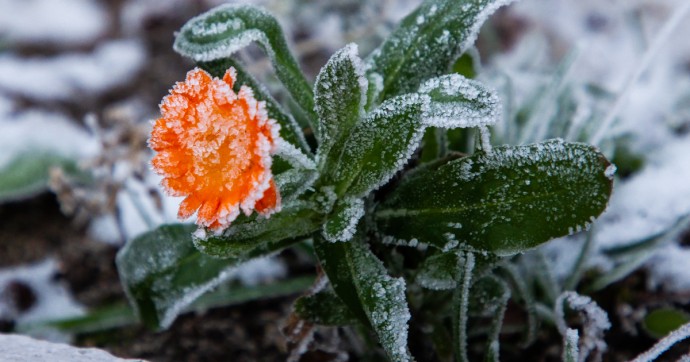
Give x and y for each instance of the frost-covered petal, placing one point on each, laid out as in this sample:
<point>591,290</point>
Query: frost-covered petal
<point>214,147</point>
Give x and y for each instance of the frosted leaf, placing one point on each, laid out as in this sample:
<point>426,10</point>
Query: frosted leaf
<point>150,267</point>
<point>439,272</point>
<point>163,272</point>
<point>379,145</point>
<point>342,224</point>
<point>257,233</point>
<point>226,29</point>
<point>294,182</point>
<point>427,42</point>
<point>488,194</point>
<point>595,322</point>
<point>339,97</point>
<point>294,156</point>
<point>459,102</point>
<point>384,300</point>
<point>361,281</point>
<point>375,81</point>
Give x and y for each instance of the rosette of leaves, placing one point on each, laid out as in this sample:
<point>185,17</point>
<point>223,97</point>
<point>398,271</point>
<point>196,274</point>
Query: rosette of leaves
<point>396,219</point>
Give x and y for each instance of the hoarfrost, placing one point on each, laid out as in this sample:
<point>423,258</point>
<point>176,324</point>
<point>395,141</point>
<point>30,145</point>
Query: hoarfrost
<point>595,322</point>
<point>340,93</point>
<point>174,306</point>
<point>205,51</point>
<point>385,303</point>
<point>293,155</point>
<point>345,221</point>
<point>610,171</point>
<point>663,345</point>
<point>571,352</point>
<point>394,123</point>
<point>459,102</point>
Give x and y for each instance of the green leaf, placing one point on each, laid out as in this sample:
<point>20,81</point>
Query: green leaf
<point>427,42</point>
<point>440,271</point>
<point>324,308</point>
<point>378,146</point>
<point>289,129</point>
<point>663,321</point>
<point>224,30</point>
<point>339,94</point>
<point>467,64</point>
<point>342,224</point>
<point>294,182</point>
<point>505,201</point>
<point>434,145</point>
<point>458,102</point>
<point>257,235</point>
<point>362,283</point>
<point>28,174</point>
<point>163,273</point>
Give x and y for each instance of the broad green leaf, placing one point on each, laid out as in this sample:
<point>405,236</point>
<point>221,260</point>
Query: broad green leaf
<point>662,321</point>
<point>259,235</point>
<point>324,308</point>
<point>376,299</point>
<point>459,102</point>
<point>289,129</point>
<point>224,30</point>
<point>378,146</point>
<point>427,42</point>
<point>339,96</point>
<point>504,202</point>
<point>467,65</point>
<point>163,273</point>
<point>28,174</point>
<point>342,223</point>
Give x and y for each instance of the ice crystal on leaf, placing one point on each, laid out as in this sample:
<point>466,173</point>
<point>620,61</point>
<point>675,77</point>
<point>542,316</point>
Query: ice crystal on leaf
<point>214,147</point>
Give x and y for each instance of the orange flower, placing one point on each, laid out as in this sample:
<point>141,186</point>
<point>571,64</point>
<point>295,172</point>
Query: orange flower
<point>214,147</point>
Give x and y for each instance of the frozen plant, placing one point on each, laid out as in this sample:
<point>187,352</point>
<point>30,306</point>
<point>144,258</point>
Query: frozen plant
<point>412,237</point>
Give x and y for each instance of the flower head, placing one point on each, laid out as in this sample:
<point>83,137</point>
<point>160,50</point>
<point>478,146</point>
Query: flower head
<point>214,147</point>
